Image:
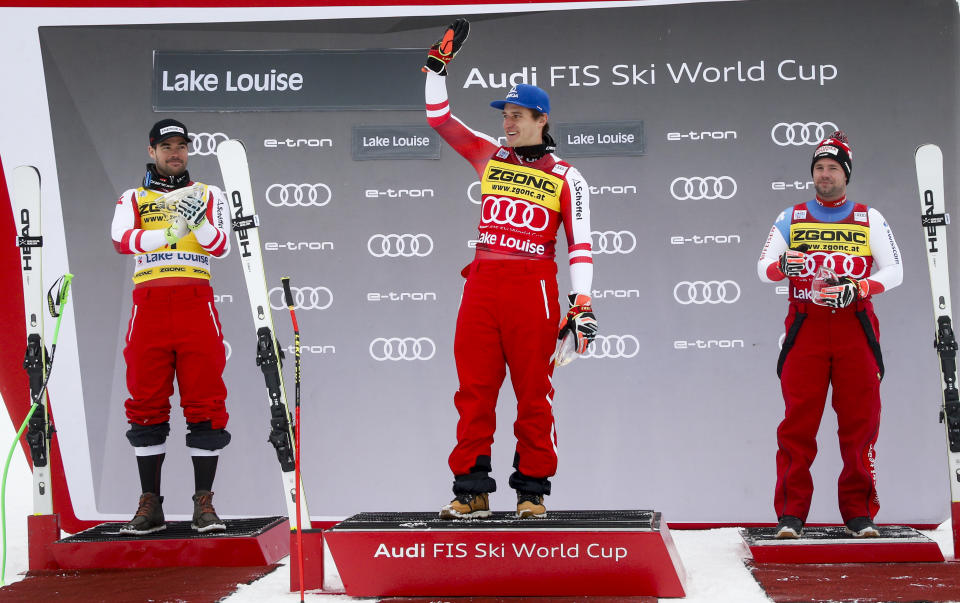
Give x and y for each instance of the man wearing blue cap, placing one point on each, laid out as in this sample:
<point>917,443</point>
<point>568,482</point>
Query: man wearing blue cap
<point>509,314</point>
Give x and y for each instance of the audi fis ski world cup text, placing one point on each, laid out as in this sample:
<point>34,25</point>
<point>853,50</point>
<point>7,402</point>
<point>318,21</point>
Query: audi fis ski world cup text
<point>678,73</point>
<point>500,550</point>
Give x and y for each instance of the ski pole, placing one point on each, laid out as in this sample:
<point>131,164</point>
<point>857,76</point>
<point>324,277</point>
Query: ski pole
<point>288,296</point>
<point>56,310</point>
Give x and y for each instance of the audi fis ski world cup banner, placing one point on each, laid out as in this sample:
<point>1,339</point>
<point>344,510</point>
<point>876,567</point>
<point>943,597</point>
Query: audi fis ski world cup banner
<point>691,141</point>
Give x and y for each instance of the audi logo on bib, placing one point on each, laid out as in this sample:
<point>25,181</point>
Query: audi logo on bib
<point>841,263</point>
<point>303,195</point>
<point>400,245</point>
<point>613,346</point>
<point>402,348</point>
<point>514,212</point>
<point>698,188</point>
<point>613,241</point>
<point>304,298</point>
<point>799,133</point>
<point>706,292</point>
<point>204,143</point>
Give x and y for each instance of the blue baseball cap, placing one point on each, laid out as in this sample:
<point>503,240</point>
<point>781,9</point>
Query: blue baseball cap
<point>527,96</point>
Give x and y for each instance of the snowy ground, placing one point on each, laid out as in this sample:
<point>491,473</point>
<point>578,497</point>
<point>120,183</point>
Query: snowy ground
<point>713,558</point>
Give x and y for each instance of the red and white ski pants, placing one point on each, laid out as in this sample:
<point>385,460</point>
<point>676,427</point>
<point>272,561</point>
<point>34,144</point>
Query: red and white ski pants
<point>509,317</point>
<point>175,331</point>
<point>830,347</point>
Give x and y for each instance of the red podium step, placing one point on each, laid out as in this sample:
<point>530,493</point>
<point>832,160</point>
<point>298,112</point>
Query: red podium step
<point>831,544</point>
<point>568,553</point>
<point>247,542</point>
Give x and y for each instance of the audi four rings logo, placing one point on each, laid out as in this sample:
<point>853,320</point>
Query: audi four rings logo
<point>402,348</point>
<point>473,192</point>
<point>304,298</point>
<point>205,143</point>
<point>514,212</point>
<point>798,133</point>
<point>707,187</point>
<point>613,241</point>
<point>839,262</point>
<point>706,292</point>
<point>400,245</point>
<point>613,346</point>
<point>304,195</point>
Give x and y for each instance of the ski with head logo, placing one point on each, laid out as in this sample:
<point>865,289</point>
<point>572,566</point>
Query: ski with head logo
<point>935,220</point>
<point>25,198</point>
<point>236,181</point>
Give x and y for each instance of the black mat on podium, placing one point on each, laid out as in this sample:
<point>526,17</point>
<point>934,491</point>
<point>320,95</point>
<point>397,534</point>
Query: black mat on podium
<point>554,521</point>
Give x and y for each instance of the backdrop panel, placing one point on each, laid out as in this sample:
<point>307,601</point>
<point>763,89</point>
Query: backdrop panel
<point>693,124</point>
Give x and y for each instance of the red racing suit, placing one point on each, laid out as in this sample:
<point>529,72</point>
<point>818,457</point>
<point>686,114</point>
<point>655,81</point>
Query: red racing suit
<point>174,328</point>
<point>824,346</point>
<point>509,314</point>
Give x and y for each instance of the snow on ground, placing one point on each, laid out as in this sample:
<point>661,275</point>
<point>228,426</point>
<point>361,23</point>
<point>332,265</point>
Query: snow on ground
<point>714,559</point>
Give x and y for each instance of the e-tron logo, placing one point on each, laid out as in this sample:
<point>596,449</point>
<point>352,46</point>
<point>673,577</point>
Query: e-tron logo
<point>708,187</point>
<point>798,133</point>
<point>402,348</point>
<point>841,263</point>
<point>303,195</point>
<point>304,298</point>
<point>400,245</point>
<point>613,241</point>
<point>514,212</point>
<point>706,292</point>
<point>613,346</point>
<point>204,143</point>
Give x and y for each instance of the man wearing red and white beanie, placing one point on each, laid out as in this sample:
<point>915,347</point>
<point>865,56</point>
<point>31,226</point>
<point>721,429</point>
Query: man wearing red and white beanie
<point>836,254</point>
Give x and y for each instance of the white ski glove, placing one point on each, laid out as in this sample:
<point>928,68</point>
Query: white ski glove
<point>193,208</point>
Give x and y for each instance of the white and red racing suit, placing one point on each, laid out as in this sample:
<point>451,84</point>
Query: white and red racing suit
<point>824,346</point>
<point>174,328</point>
<point>509,314</point>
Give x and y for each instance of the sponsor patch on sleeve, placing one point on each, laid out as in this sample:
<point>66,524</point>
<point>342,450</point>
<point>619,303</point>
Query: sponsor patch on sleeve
<point>560,169</point>
<point>800,214</point>
<point>503,153</point>
<point>860,216</point>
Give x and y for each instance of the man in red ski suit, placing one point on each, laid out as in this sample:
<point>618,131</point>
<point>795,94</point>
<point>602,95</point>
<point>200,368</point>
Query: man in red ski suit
<point>833,341</point>
<point>173,226</point>
<point>509,314</point>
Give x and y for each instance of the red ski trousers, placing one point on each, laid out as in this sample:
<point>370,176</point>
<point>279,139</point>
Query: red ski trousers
<point>175,331</point>
<point>830,347</point>
<point>509,317</point>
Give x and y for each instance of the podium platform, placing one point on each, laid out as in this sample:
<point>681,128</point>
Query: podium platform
<point>247,542</point>
<point>568,553</point>
<point>831,544</point>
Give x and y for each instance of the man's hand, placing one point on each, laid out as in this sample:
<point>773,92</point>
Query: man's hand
<point>792,262</point>
<point>842,294</point>
<point>447,47</point>
<point>193,208</point>
<point>176,231</point>
<point>580,320</point>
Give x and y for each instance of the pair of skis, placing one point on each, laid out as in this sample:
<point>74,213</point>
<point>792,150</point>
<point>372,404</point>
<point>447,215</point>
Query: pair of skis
<point>236,180</point>
<point>25,201</point>
<point>929,162</point>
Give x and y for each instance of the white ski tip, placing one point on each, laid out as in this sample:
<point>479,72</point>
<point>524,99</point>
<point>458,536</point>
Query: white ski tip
<point>230,146</point>
<point>929,151</point>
